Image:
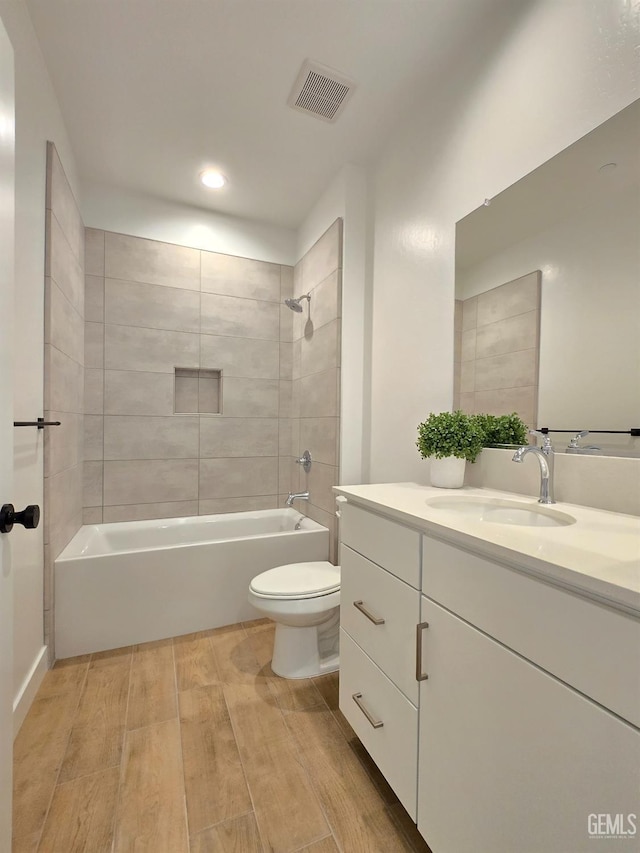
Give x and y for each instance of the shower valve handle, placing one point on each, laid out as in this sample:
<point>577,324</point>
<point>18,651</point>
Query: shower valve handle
<point>29,517</point>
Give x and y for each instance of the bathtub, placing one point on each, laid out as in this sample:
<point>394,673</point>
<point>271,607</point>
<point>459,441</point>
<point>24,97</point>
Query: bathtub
<point>133,582</point>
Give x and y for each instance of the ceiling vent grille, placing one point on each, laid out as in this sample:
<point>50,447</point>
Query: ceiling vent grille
<point>320,91</point>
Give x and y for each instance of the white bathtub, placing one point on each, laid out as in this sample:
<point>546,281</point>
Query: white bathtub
<point>133,582</point>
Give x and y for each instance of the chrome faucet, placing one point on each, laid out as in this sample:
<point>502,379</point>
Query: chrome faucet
<point>302,496</point>
<point>545,457</point>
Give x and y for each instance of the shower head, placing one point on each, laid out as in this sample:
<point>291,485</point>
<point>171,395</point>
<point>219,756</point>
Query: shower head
<point>294,304</point>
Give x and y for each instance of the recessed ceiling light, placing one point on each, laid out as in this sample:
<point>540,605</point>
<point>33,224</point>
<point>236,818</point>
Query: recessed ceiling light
<point>213,179</point>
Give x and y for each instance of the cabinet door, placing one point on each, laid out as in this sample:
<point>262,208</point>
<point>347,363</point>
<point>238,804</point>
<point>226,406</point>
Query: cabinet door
<point>510,758</point>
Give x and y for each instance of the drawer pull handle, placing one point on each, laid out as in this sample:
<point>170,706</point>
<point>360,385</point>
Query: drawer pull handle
<point>357,698</point>
<point>377,620</point>
<point>420,675</point>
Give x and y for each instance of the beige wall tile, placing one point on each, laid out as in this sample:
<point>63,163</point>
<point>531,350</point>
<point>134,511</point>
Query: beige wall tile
<point>243,318</point>
<point>146,481</point>
<point>323,257</point>
<point>508,300</point>
<point>144,437</point>
<point>61,201</point>
<point>64,382</point>
<point>143,512</point>
<point>243,477</point>
<point>64,327</point>
<point>468,345</point>
<point>150,350</point>
<point>503,402</point>
<point>226,437</point>
<point>93,251</point>
<point>326,300</point>
<point>62,443</point>
<point>93,345</point>
<point>319,395</point>
<point>187,391</point>
<point>131,303</point>
<point>296,361</point>
<point>286,282</point>
<point>232,276</point>
<point>92,489</point>
<point>320,437</point>
<point>92,515</point>
<point>249,358</point>
<point>62,265</point>
<point>506,371</point>
<point>457,315</point>
<point>285,445</point>
<point>129,392</point>
<point>320,350</point>
<point>285,392</point>
<point>509,335</point>
<point>467,404</point>
<point>467,377</point>
<point>252,398</point>
<point>288,475</point>
<point>320,480</point>
<point>209,396</point>
<point>94,298</point>
<point>286,324</point>
<point>93,391</point>
<point>469,313</point>
<point>286,360</point>
<point>248,504</point>
<point>137,259</point>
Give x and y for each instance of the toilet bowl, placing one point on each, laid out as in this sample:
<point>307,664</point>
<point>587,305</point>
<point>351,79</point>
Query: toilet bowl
<point>303,599</point>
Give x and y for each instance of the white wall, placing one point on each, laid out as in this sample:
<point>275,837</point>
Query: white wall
<point>126,212</point>
<point>558,71</point>
<point>346,197</point>
<point>590,314</point>
<point>37,120</point>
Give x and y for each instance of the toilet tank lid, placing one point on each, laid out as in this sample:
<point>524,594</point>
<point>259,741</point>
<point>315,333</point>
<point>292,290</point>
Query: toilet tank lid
<point>297,579</point>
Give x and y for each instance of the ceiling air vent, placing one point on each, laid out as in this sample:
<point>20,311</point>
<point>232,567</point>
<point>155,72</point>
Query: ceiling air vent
<point>320,91</point>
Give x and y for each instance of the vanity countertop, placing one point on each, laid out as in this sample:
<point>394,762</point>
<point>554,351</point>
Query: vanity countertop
<point>598,556</point>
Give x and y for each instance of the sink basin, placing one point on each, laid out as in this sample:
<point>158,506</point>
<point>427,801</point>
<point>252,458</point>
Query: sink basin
<point>502,511</point>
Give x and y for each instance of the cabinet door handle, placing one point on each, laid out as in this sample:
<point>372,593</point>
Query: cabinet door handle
<point>357,698</point>
<point>420,675</point>
<point>377,620</point>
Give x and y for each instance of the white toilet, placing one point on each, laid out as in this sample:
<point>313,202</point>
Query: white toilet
<point>303,599</point>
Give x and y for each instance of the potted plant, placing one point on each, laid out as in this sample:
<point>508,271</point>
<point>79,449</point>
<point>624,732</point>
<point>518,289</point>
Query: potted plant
<point>449,439</point>
<point>501,430</point>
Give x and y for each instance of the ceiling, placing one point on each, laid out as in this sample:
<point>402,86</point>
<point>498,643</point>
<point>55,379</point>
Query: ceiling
<point>568,183</point>
<point>153,91</point>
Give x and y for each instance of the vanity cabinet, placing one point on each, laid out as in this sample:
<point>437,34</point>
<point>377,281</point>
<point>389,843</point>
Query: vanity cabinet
<point>526,719</point>
<point>379,610</point>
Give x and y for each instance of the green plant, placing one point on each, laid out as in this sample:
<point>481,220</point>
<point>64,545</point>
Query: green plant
<point>501,429</point>
<point>450,434</point>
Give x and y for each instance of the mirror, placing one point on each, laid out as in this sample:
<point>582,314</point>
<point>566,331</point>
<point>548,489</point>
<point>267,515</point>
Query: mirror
<point>548,294</point>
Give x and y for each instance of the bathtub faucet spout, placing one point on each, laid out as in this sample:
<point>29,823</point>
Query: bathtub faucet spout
<point>302,496</point>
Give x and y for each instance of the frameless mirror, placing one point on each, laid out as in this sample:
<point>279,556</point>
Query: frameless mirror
<point>548,294</point>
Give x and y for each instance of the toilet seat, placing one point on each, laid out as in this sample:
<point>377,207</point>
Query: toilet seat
<point>297,581</point>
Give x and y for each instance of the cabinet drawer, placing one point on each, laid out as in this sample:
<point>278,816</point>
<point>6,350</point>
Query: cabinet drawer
<point>390,545</point>
<point>391,645</point>
<point>565,634</point>
<point>393,745</point>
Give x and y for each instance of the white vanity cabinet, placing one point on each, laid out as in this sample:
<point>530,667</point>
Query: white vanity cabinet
<point>526,721</point>
<point>379,610</point>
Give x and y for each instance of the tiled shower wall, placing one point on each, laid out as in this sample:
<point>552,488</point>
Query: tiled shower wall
<point>63,372</point>
<point>153,307</point>
<point>315,386</point>
<point>497,350</point>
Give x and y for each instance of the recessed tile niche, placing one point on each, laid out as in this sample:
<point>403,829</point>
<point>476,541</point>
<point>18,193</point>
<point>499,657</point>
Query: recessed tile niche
<point>197,391</point>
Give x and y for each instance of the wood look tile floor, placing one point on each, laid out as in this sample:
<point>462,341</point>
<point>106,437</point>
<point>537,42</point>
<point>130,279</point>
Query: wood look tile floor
<point>193,745</point>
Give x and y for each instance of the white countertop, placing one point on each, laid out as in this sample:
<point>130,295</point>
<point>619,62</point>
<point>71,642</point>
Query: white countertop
<point>598,556</point>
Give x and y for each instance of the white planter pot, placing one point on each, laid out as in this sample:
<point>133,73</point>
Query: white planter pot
<point>447,473</point>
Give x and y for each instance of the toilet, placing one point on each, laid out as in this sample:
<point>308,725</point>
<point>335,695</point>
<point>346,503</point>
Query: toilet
<point>303,599</point>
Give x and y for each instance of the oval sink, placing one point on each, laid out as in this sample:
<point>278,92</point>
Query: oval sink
<point>502,511</point>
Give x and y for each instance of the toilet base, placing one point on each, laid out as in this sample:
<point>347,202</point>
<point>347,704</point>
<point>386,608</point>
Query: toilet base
<point>304,652</point>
